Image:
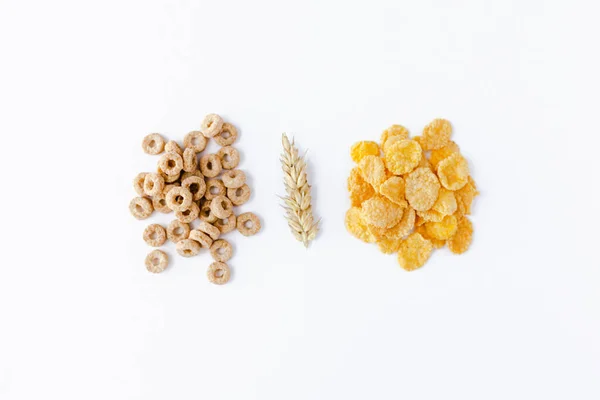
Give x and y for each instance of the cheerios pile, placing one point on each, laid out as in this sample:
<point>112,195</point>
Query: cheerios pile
<point>415,198</point>
<point>201,189</point>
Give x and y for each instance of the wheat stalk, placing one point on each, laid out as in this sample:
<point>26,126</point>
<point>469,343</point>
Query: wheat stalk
<point>297,203</point>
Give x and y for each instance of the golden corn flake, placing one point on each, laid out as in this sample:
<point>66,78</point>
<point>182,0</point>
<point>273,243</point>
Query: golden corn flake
<point>395,131</point>
<point>356,225</point>
<point>464,197</point>
<point>445,203</point>
<point>403,156</point>
<point>381,212</point>
<point>430,216</point>
<point>453,171</point>
<point>403,228</point>
<point>421,189</point>
<point>460,242</point>
<point>419,221</point>
<point>389,246</point>
<point>414,251</point>
<point>444,229</point>
<point>424,163</point>
<point>437,244</point>
<point>360,190</point>
<point>393,189</point>
<point>373,170</point>
<point>361,149</point>
<point>436,135</point>
<point>438,155</point>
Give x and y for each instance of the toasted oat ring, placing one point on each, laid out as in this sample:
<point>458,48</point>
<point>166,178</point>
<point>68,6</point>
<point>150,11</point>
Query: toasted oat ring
<point>186,175</point>
<point>177,231</point>
<point>226,225</point>
<point>138,183</point>
<point>179,199</point>
<point>168,178</point>
<point>190,162</point>
<point>153,144</point>
<point>141,207</point>
<point>227,136</point>
<point>153,184</point>
<point>239,196</point>
<point>230,157</point>
<point>210,165</point>
<point>206,214</point>
<point>221,250</point>
<point>196,141</point>
<point>172,146</point>
<point>233,179</point>
<point>214,188</point>
<point>155,235</point>
<point>188,215</point>
<point>170,163</point>
<point>221,206</point>
<point>187,247</point>
<point>201,237</point>
<point>195,185</point>
<point>248,224</point>
<point>160,204</point>
<point>209,229</point>
<point>156,261</point>
<point>218,273</point>
<point>211,125</point>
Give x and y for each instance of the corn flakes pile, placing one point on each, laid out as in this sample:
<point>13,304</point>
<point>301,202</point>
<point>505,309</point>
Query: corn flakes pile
<point>414,198</point>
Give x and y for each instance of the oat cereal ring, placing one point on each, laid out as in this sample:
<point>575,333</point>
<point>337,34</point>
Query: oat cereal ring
<point>187,247</point>
<point>189,214</point>
<point>230,157</point>
<point>209,229</point>
<point>138,183</point>
<point>206,214</point>
<point>190,162</point>
<point>202,238</point>
<point>248,224</point>
<point>221,250</point>
<point>214,188</point>
<point>234,178</point>
<point>155,235</point>
<point>156,261</point>
<point>210,165</point>
<point>153,144</point>
<point>186,175</point>
<point>211,125</point>
<point>173,147</point>
<point>227,136</point>
<point>170,164</point>
<point>179,199</point>
<point>141,207</point>
<point>168,178</point>
<point>239,196</point>
<point>218,273</point>
<point>221,206</point>
<point>160,204</point>
<point>226,225</point>
<point>196,141</point>
<point>153,184</point>
<point>177,231</point>
<point>196,186</point>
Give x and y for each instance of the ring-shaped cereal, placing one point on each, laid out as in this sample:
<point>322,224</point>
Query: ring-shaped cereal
<point>160,204</point>
<point>221,250</point>
<point>153,184</point>
<point>179,199</point>
<point>168,178</point>
<point>172,146</point>
<point>141,207</point>
<point>196,141</point>
<point>221,206</point>
<point>248,224</point>
<point>230,157</point>
<point>211,125</point>
<point>210,165</point>
<point>196,186</point>
<point>170,163</point>
<point>189,214</point>
<point>190,162</point>
<point>214,188</point>
<point>153,144</point>
<point>226,225</point>
<point>156,261</point>
<point>239,196</point>
<point>177,231</point>
<point>138,183</point>
<point>206,214</point>
<point>186,175</point>
<point>227,136</point>
<point>202,238</point>
<point>234,178</point>
<point>155,235</point>
<point>218,273</point>
<point>209,229</point>
<point>187,247</point>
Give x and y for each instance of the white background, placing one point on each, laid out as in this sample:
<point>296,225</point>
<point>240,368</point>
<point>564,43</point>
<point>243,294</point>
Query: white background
<point>81,83</point>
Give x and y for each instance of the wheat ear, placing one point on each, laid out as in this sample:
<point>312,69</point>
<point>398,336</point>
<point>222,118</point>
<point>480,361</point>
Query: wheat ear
<point>297,203</point>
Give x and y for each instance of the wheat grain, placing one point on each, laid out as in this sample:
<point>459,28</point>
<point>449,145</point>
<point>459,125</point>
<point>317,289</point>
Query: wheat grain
<point>297,203</point>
